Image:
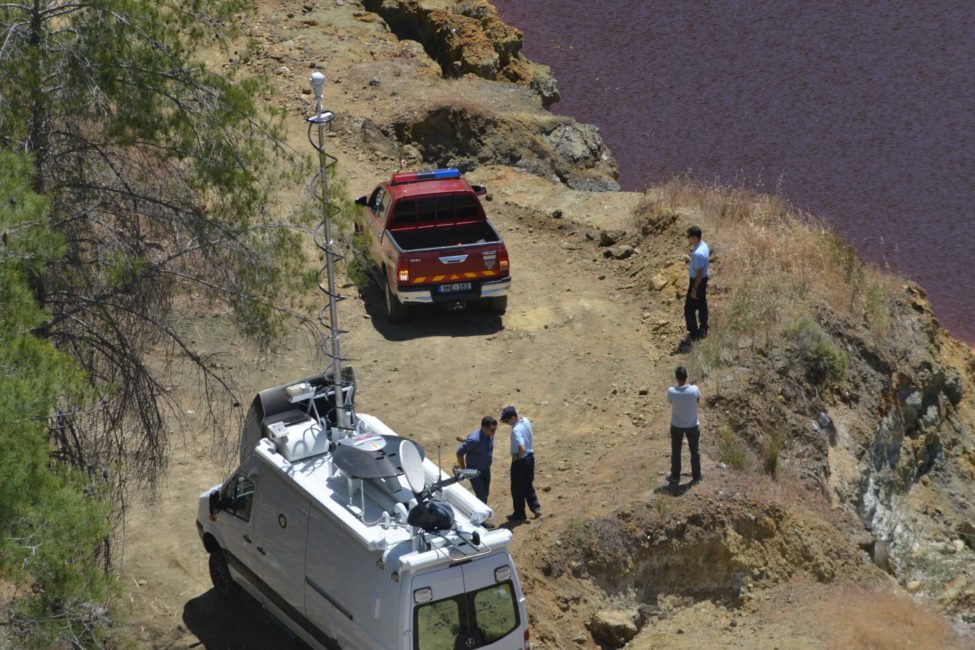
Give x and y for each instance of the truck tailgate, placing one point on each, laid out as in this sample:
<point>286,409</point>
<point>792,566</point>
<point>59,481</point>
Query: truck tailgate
<point>472,263</point>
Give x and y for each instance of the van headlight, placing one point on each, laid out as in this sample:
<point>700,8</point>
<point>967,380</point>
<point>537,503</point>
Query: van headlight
<point>424,595</point>
<point>502,573</point>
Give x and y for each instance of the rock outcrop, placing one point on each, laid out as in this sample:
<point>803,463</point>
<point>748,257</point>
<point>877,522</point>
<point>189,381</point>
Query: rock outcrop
<point>467,37</point>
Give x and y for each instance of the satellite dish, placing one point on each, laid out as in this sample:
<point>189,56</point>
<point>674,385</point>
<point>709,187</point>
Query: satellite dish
<point>412,464</point>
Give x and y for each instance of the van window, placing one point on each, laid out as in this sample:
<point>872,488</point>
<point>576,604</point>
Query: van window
<point>494,609</point>
<point>470,620</point>
<point>240,497</point>
<point>437,624</point>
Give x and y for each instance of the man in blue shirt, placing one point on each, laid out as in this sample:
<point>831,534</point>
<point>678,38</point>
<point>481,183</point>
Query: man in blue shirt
<point>522,465</point>
<point>683,400</point>
<point>476,452</point>
<point>696,301</point>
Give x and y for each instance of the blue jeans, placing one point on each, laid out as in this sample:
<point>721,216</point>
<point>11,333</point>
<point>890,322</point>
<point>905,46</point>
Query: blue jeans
<point>482,484</point>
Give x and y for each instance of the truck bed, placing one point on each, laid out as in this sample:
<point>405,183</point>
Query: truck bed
<point>460,235</point>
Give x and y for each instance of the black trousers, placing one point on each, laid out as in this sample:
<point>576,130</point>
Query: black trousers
<point>676,443</point>
<point>482,484</point>
<point>523,485</point>
<point>696,311</point>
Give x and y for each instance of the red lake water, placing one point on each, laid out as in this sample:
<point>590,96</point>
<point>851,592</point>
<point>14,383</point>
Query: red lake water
<point>862,113</point>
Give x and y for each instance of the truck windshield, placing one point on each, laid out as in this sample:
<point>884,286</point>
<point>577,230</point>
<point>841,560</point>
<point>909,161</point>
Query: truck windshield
<point>469,620</point>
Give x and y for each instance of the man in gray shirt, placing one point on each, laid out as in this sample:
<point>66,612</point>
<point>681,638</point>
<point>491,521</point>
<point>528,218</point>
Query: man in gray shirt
<point>683,400</point>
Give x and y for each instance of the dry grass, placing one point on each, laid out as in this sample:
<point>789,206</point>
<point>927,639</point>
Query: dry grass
<point>776,264</point>
<point>861,618</point>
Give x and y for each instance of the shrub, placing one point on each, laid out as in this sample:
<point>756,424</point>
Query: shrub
<point>823,359</point>
<point>770,448</point>
<point>731,449</point>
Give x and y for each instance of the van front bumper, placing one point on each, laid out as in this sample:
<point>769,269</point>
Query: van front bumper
<point>428,295</point>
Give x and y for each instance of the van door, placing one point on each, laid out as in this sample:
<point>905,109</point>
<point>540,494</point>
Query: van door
<point>468,606</point>
<point>238,528</point>
<point>282,520</point>
<point>495,604</point>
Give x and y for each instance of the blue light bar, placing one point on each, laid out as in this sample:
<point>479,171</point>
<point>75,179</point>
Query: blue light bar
<point>432,175</point>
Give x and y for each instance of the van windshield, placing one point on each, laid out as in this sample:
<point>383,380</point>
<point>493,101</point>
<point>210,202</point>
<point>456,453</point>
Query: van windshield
<point>469,620</point>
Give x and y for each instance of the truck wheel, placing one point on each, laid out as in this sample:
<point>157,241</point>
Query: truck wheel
<point>223,583</point>
<point>395,310</point>
<point>498,305</point>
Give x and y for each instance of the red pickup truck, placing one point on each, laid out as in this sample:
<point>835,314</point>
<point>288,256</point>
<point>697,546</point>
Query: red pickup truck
<point>430,241</point>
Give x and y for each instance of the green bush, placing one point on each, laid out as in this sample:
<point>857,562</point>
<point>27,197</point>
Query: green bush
<point>770,448</point>
<point>824,360</point>
<point>731,449</point>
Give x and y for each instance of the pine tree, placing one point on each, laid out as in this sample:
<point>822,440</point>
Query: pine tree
<point>159,174</point>
<point>53,526</point>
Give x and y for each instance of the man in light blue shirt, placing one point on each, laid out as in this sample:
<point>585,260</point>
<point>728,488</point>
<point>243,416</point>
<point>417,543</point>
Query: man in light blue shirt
<point>696,301</point>
<point>683,400</point>
<point>522,466</point>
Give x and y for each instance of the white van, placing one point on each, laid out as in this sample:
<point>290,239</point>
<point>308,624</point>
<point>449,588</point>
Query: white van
<point>357,541</point>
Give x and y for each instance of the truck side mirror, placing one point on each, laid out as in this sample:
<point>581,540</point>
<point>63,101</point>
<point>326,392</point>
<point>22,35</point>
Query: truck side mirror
<point>216,502</point>
<point>480,190</point>
<point>362,200</point>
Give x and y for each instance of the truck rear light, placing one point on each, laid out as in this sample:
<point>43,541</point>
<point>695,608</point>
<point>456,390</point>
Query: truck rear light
<point>503,259</point>
<point>424,595</point>
<point>528,644</point>
<point>403,271</point>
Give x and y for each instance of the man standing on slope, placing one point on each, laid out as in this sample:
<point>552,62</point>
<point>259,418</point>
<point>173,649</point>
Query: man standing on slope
<point>683,400</point>
<point>522,466</point>
<point>696,301</point>
<point>476,452</point>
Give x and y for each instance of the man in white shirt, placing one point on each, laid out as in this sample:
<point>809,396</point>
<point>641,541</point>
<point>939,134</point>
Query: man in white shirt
<point>683,400</point>
<point>696,301</point>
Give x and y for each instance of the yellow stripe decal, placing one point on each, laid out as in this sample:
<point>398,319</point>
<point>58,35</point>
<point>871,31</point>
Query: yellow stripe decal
<point>437,278</point>
<point>490,273</point>
<point>418,280</point>
<point>470,275</point>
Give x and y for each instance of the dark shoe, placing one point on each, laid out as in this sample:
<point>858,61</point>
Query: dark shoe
<point>697,479</point>
<point>537,512</point>
<point>516,517</point>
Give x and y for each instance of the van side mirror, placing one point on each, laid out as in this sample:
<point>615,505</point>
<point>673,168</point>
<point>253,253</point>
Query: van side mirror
<point>480,190</point>
<point>362,200</point>
<point>216,502</point>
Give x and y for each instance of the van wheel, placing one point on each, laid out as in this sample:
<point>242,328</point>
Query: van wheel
<point>498,305</point>
<point>223,583</point>
<point>395,310</point>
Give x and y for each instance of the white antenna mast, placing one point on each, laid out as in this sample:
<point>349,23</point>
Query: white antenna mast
<point>344,412</point>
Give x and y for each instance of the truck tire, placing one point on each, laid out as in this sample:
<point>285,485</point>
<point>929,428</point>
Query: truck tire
<point>498,305</point>
<point>223,582</point>
<point>395,310</point>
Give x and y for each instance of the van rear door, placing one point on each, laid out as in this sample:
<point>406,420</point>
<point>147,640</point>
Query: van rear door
<point>468,606</point>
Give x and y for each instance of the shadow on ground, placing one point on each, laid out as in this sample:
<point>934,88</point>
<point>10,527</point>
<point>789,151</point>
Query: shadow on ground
<point>429,320</point>
<point>243,625</point>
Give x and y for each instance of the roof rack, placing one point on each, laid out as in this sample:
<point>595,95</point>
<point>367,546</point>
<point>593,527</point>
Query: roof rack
<point>432,175</point>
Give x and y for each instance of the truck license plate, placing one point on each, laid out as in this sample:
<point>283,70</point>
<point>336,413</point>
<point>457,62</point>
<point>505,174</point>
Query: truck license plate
<point>455,287</point>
